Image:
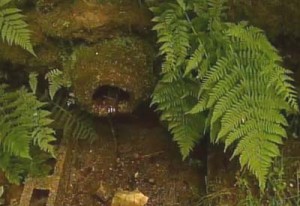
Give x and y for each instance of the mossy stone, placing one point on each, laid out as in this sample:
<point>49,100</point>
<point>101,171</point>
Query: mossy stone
<point>124,62</point>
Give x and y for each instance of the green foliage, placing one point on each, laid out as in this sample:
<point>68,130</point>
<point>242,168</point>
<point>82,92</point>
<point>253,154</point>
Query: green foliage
<point>57,80</point>
<point>75,124</point>
<point>24,125</point>
<point>17,169</point>
<point>229,73</point>
<point>281,189</point>
<point>27,131</point>
<point>175,95</point>
<point>278,189</point>
<point>13,29</point>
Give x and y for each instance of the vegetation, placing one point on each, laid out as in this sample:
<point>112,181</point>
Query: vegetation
<point>280,190</point>
<point>222,77</point>
<point>75,123</point>
<point>25,126</point>
<point>219,79</point>
<point>13,29</point>
<point>27,133</point>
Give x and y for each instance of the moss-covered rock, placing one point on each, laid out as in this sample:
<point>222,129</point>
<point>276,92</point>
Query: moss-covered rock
<point>47,55</point>
<point>276,17</point>
<point>90,20</point>
<point>55,23</point>
<point>113,76</point>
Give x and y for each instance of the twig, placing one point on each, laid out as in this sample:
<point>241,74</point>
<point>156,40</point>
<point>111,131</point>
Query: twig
<point>152,154</point>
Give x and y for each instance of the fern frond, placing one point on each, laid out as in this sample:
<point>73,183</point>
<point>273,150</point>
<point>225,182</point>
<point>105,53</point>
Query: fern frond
<point>22,120</point>
<point>236,78</point>
<point>13,29</point>
<point>241,98</point>
<point>75,124</point>
<point>33,82</point>
<point>195,60</point>
<point>24,124</point>
<point>16,169</point>
<point>57,79</point>
<point>174,100</point>
<point>172,30</point>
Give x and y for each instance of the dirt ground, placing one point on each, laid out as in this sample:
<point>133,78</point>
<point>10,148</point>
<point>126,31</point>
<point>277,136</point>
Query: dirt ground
<point>145,159</point>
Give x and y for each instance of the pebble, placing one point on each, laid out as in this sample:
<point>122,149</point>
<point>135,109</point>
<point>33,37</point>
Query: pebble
<point>151,181</point>
<point>136,175</point>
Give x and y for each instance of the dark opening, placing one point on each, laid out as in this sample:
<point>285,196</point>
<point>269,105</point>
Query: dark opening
<point>107,92</point>
<point>39,197</point>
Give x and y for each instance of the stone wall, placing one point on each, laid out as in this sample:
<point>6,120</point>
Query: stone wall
<point>54,183</point>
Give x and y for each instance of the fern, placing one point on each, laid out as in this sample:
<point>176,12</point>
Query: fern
<point>57,79</point>
<point>74,123</point>
<point>236,79</point>
<point>174,96</point>
<point>24,124</point>
<point>16,168</point>
<point>13,29</point>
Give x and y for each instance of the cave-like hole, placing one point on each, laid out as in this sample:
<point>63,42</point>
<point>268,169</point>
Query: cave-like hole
<point>108,92</point>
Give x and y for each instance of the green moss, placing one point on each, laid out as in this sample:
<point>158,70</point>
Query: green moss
<point>91,21</point>
<point>125,62</point>
<point>277,18</point>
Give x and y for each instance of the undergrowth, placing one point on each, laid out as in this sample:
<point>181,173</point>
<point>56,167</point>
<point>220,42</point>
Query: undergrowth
<point>222,79</point>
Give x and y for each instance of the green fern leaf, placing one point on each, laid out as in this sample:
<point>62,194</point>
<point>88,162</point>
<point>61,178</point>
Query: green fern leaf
<point>33,82</point>
<point>23,123</point>
<point>75,123</point>
<point>195,60</point>
<point>234,74</point>
<point>57,79</point>
<point>13,29</point>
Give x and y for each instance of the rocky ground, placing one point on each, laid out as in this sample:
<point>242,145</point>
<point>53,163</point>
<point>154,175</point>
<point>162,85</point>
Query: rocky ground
<point>146,160</point>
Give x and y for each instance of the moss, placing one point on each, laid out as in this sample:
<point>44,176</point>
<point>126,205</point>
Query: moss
<point>90,21</point>
<point>276,17</point>
<point>125,62</point>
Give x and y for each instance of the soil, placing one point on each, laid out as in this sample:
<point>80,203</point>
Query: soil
<point>146,159</point>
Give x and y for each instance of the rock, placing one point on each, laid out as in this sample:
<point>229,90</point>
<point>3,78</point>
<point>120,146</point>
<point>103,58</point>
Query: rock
<point>128,198</point>
<point>104,192</point>
<point>113,76</point>
<point>151,181</point>
<point>277,18</point>
<point>136,156</point>
<point>92,21</point>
